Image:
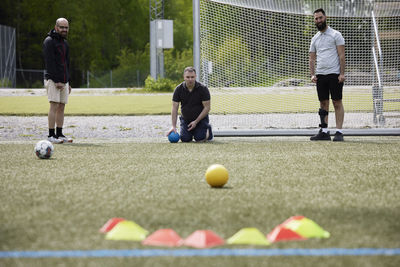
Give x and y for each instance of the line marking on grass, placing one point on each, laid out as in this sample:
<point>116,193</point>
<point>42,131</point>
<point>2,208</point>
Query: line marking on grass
<point>200,252</point>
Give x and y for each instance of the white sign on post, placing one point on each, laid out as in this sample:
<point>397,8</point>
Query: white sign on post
<point>165,34</point>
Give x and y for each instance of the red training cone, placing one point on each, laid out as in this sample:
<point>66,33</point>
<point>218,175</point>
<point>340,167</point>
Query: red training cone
<point>280,233</point>
<point>110,224</point>
<point>163,237</point>
<point>203,239</point>
<point>293,218</point>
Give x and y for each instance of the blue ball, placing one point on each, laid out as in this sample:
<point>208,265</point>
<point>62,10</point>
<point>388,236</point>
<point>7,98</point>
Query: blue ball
<point>173,137</point>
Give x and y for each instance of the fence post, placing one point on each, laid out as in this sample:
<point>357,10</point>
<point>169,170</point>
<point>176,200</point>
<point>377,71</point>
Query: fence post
<point>111,79</point>
<point>138,78</point>
<point>87,79</point>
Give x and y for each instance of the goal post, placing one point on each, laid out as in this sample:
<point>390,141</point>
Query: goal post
<point>254,58</point>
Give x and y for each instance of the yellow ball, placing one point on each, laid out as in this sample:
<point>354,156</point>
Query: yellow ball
<point>217,175</point>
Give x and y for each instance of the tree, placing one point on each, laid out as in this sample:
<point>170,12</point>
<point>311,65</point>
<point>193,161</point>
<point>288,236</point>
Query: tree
<point>100,31</point>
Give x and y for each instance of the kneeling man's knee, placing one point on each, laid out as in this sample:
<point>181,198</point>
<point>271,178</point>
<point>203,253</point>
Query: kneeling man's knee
<point>201,136</point>
<point>186,138</point>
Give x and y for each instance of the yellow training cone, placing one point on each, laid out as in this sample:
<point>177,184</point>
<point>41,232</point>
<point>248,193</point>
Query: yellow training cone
<point>306,228</point>
<point>127,230</point>
<point>248,236</point>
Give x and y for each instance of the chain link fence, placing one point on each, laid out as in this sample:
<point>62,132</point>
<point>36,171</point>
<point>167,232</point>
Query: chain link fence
<point>33,78</point>
<point>7,57</point>
<point>115,79</point>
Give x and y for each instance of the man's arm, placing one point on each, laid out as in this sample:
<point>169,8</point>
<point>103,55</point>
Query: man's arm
<point>202,115</point>
<point>174,116</point>
<point>69,68</point>
<point>342,61</point>
<point>50,62</point>
<point>68,62</point>
<point>312,58</point>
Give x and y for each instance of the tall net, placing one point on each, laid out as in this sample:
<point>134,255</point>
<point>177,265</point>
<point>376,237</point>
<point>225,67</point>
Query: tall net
<point>254,58</point>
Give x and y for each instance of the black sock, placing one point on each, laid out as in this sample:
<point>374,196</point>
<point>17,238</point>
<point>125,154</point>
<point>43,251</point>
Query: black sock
<point>59,131</point>
<point>51,132</point>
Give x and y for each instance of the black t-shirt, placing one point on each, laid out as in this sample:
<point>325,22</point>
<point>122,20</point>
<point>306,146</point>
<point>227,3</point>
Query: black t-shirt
<point>191,102</point>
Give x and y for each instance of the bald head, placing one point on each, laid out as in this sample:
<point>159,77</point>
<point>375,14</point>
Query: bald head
<point>61,20</point>
<point>62,27</point>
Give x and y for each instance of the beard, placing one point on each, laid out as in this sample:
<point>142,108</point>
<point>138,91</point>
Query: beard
<point>64,34</point>
<point>321,25</point>
<point>189,84</point>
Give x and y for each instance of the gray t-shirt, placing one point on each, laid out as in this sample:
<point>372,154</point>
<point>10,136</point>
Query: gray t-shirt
<point>324,45</point>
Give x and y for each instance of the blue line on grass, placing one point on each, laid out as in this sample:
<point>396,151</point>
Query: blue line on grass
<point>200,252</point>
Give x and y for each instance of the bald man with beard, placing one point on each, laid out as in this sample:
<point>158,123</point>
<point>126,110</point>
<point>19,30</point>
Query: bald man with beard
<point>57,78</point>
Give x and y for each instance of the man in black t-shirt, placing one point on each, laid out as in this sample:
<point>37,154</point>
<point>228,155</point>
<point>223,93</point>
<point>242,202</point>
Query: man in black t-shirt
<point>195,106</point>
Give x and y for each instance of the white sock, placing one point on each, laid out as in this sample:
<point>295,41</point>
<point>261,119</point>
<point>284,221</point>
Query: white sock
<point>339,130</point>
<point>325,130</point>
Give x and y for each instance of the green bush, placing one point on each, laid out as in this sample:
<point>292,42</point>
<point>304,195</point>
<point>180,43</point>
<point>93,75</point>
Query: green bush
<point>5,82</point>
<point>37,84</point>
<point>133,68</point>
<point>176,61</point>
<point>159,85</point>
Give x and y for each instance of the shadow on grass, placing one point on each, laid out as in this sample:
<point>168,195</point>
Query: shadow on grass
<point>222,188</point>
<point>51,158</point>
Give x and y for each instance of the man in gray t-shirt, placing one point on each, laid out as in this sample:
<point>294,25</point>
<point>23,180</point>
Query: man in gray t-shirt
<point>327,50</point>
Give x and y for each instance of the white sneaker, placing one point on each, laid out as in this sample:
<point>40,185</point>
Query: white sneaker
<point>54,140</point>
<point>65,139</point>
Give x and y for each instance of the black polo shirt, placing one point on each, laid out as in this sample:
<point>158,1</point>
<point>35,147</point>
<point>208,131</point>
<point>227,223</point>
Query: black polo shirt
<point>191,102</point>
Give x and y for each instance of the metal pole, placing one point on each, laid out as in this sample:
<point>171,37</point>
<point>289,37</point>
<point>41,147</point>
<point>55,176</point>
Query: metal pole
<point>160,59</point>
<point>2,74</point>
<point>14,60</point>
<point>378,91</point>
<point>87,79</point>
<point>156,8</point>
<point>196,37</point>
<point>137,77</point>
<point>153,50</point>
<point>111,79</point>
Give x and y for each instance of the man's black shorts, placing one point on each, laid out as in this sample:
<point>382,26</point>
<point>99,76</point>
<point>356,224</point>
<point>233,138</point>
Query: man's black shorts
<point>329,84</point>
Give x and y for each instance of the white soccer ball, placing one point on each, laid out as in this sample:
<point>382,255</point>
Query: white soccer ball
<point>44,149</point>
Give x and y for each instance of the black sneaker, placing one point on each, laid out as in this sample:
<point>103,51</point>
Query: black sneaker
<point>321,136</point>
<point>338,137</point>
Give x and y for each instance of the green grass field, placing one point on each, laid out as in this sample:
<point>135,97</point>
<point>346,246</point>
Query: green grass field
<point>152,104</point>
<point>351,189</point>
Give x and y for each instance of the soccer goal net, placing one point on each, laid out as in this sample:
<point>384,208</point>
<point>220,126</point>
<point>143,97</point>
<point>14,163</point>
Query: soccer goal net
<point>254,58</point>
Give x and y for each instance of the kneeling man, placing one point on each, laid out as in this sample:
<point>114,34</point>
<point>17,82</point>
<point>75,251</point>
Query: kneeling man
<point>195,106</point>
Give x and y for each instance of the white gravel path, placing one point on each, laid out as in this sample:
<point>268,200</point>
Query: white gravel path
<point>81,127</point>
<point>155,127</point>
